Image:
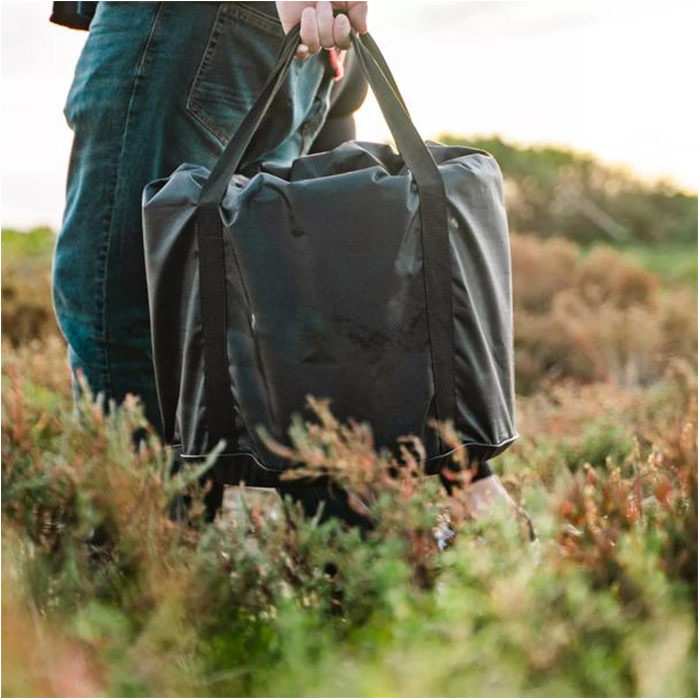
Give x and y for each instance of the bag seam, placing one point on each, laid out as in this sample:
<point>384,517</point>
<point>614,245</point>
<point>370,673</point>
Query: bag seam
<point>442,455</point>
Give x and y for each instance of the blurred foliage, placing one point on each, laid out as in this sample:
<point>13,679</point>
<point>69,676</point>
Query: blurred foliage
<point>26,285</point>
<point>560,192</point>
<point>267,603</point>
<point>594,317</point>
<point>104,594</point>
<point>673,263</point>
<point>27,247</point>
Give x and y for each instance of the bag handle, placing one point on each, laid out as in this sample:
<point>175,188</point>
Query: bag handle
<point>383,85</point>
<point>372,47</point>
<point>435,241</point>
<point>226,167</point>
<point>431,190</point>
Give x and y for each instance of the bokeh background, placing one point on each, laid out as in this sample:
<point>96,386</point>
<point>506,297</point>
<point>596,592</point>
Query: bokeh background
<point>591,110</point>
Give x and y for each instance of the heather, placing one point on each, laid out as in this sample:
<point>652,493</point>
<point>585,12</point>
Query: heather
<point>103,593</point>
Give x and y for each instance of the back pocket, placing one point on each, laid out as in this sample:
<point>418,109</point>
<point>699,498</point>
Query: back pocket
<point>241,50</point>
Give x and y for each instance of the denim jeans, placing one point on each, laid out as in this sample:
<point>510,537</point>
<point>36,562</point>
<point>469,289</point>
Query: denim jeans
<point>157,84</point>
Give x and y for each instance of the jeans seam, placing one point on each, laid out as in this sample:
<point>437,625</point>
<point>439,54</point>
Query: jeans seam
<point>205,62</point>
<point>191,105</point>
<point>118,173</point>
<point>314,121</point>
<point>246,12</point>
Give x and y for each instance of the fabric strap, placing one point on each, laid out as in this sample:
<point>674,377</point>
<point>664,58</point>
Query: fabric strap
<point>433,219</point>
<point>435,241</point>
<point>220,408</point>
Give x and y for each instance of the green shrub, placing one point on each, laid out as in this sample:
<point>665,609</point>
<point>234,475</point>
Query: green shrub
<point>594,318</point>
<point>269,603</point>
<point>555,191</point>
<point>104,594</point>
<point>27,312</point>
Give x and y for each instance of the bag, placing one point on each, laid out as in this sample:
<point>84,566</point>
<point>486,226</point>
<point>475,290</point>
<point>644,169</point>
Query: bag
<point>378,280</point>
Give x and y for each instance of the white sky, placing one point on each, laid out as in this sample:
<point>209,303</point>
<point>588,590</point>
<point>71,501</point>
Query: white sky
<point>618,79</point>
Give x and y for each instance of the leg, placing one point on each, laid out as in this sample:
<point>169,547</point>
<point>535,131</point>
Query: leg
<point>157,84</point>
<point>482,471</point>
<point>322,494</point>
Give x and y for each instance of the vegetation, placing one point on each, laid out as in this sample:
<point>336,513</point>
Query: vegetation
<point>104,594</point>
<point>559,192</point>
<point>595,316</point>
<point>26,285</point>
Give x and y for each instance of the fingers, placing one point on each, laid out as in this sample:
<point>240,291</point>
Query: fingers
<point>325,22</point>
<point>319,29</point>
<point>341,32</point>
<point>309,31</point>
<point>357,12</point>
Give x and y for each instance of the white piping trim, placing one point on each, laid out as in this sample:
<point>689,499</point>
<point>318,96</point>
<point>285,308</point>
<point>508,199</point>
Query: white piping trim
<point>427,461</point>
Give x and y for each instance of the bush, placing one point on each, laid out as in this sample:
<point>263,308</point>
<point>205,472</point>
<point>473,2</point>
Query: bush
<point>269,603</point>
<point>104,594</point>
<point>27,312</point>
<point>560,192</point>
<point>591,317</point>
<point>594,318</point>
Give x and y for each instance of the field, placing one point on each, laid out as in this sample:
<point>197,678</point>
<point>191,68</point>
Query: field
<point>103,594</point>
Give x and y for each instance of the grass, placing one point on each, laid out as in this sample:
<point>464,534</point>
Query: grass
<point>674,264</point>
<point>266,603</point>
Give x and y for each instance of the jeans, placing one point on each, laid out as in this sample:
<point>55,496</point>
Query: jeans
<point>158,84</point>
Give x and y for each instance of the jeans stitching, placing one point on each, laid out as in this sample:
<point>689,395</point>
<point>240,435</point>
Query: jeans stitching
<point>249,14</point>
<point>318,113</point>
<point>192,106</point>
<point>205,62</point>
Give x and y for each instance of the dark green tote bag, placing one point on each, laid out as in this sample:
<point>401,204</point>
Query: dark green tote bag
<point>376,279</point>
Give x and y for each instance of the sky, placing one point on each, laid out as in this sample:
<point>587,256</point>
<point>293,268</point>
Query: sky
<point>617,79</point>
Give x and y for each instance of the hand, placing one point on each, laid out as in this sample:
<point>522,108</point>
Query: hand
<point>319,29</point>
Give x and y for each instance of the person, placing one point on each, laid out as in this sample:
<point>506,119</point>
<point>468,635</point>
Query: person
<point>159,84</point>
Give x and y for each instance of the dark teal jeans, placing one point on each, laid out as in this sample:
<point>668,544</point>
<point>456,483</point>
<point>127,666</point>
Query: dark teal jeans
<point>157,84</point>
